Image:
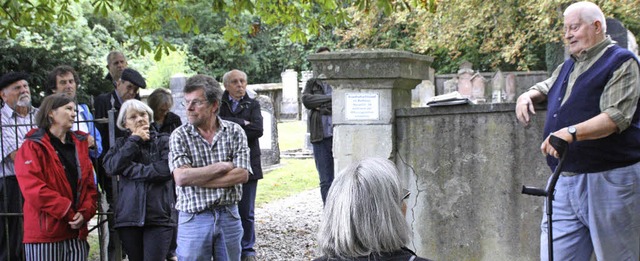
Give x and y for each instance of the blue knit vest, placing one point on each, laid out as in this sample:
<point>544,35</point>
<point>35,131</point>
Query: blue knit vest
<point>614,151</point>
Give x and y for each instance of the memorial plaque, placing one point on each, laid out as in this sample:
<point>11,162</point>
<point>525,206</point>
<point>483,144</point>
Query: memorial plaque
<point>362,106</point>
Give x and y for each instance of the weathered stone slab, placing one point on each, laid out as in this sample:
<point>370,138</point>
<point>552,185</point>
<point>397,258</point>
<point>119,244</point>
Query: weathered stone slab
<point>269,148</point>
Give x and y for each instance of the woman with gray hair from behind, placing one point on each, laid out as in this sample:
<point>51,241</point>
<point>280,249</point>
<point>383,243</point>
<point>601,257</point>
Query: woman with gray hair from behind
<point>364,215</point>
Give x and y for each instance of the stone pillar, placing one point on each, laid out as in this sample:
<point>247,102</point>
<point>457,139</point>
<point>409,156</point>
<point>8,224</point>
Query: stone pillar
<point>176,84</point>
<point>368,85</point>
<point>290,105</point>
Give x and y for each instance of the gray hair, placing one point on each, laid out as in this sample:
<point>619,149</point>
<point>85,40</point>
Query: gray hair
<point>589,12</point>
<point>135,105</point>
<point>363,211</point>
<point>225,77</point>
<point>211,87</point>
<point>113,54</point>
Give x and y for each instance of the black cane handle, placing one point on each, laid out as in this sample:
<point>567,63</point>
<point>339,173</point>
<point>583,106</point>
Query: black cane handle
<point>558,144</point>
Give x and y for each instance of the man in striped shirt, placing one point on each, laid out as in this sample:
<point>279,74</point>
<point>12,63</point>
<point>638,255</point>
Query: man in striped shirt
<point>209,159</point>
<point>17,118</point>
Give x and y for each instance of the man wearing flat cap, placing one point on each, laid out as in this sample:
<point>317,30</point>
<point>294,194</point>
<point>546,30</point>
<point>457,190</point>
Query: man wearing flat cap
<point>17,117</point>
<point>126,89</point>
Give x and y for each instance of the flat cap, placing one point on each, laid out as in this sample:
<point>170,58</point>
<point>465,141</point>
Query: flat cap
<point>134,77</point>
<point>11,77</point>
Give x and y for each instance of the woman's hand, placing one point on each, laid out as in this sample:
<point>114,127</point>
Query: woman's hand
<point>77,222</point>
<point>142,131</point>
<point>92,142</point>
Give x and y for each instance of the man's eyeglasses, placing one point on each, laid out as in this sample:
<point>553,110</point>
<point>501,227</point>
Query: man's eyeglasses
<point>188,104</point>
<point>406,193</point>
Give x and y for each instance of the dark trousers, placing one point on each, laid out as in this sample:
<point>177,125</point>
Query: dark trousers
<point>106,187</point>
<point>148,243</point>
<point>246,207</point>
<point>10,226</point>
<point>323,155</point>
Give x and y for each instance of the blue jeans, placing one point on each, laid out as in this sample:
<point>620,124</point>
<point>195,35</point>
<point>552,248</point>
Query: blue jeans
<point>246,207</point>
<point>596,212</point>
<point>323,155</point>
<point>213,233</point>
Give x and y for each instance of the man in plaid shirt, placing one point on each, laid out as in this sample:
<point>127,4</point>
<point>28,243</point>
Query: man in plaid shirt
<point>209,159</point>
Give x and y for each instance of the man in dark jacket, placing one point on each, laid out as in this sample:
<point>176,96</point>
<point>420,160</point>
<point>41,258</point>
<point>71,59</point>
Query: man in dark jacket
<point>236,106</point>
<point>316,97</point>
<point>126,88</point>
<point>116,63</point>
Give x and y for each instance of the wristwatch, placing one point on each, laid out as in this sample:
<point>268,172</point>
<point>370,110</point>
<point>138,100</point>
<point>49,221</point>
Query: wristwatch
<point>573,131</point>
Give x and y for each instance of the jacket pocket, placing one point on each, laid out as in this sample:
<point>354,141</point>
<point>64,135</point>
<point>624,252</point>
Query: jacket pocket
<point>46,223</point>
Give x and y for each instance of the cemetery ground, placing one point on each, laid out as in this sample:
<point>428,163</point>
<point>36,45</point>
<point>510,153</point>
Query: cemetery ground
<point>288,204</point>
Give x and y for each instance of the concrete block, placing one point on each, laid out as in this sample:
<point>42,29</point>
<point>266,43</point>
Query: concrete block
<point>354,142</point>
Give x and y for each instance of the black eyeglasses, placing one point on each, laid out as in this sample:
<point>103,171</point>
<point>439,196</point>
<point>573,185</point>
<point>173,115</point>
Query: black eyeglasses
<point>406,193</point>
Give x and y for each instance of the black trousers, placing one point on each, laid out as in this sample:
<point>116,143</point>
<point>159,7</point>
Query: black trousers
<point>148,243</point>
<point>10,226</point>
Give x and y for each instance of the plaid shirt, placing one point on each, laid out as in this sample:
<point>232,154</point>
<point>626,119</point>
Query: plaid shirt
<point>13,136</point>
<point>188,147</point>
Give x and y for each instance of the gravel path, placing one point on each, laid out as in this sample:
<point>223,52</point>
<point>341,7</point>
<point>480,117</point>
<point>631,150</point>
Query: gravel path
<point>286,228</point>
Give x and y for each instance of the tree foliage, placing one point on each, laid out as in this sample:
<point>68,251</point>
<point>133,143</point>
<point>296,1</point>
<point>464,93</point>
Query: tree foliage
<point>301,18</point>
<point>74,44</point>
<point>503,34</point>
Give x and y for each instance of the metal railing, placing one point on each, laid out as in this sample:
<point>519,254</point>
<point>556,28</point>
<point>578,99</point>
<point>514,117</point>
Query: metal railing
<point>102,215</point>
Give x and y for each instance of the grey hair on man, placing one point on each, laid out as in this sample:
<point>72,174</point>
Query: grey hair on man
<point>225,77</point>
<point>135,105</point>
<point>363,212</point>
<point>113,54</point>
<point>211,87</point>
<point>589,13</point>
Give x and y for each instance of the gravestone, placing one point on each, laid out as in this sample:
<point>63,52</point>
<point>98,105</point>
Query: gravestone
<point>618,32</point>
<point>478,86</point>
<point>633,45</point>
<point>510,88</point>
<point>423,92</point>
<point>465,88</point>
<point>176,84</point>
<point>269,148</point>
<point>450,85</point>
<point>497,84</point>
<point>290,104</point>
<point>304,77</point>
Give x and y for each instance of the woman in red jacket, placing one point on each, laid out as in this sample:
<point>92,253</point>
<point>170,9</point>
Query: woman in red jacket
<point>56,178</point>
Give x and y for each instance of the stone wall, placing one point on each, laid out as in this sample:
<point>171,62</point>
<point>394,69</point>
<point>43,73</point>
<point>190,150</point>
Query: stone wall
<point>465,166</point>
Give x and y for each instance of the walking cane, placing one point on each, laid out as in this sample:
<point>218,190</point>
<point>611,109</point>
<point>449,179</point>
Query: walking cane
<point>560,146</point>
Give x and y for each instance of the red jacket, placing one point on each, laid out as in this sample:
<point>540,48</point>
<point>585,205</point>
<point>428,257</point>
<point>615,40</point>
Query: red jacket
<point>47,195</point>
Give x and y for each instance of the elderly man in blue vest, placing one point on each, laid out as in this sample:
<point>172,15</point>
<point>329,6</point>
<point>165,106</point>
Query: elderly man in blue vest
<point>592,104</point>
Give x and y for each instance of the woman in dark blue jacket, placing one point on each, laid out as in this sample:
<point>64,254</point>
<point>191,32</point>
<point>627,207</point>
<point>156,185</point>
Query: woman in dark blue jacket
<point>144,199</point>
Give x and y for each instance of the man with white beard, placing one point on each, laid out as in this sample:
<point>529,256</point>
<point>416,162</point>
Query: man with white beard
<point>16,116</point>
